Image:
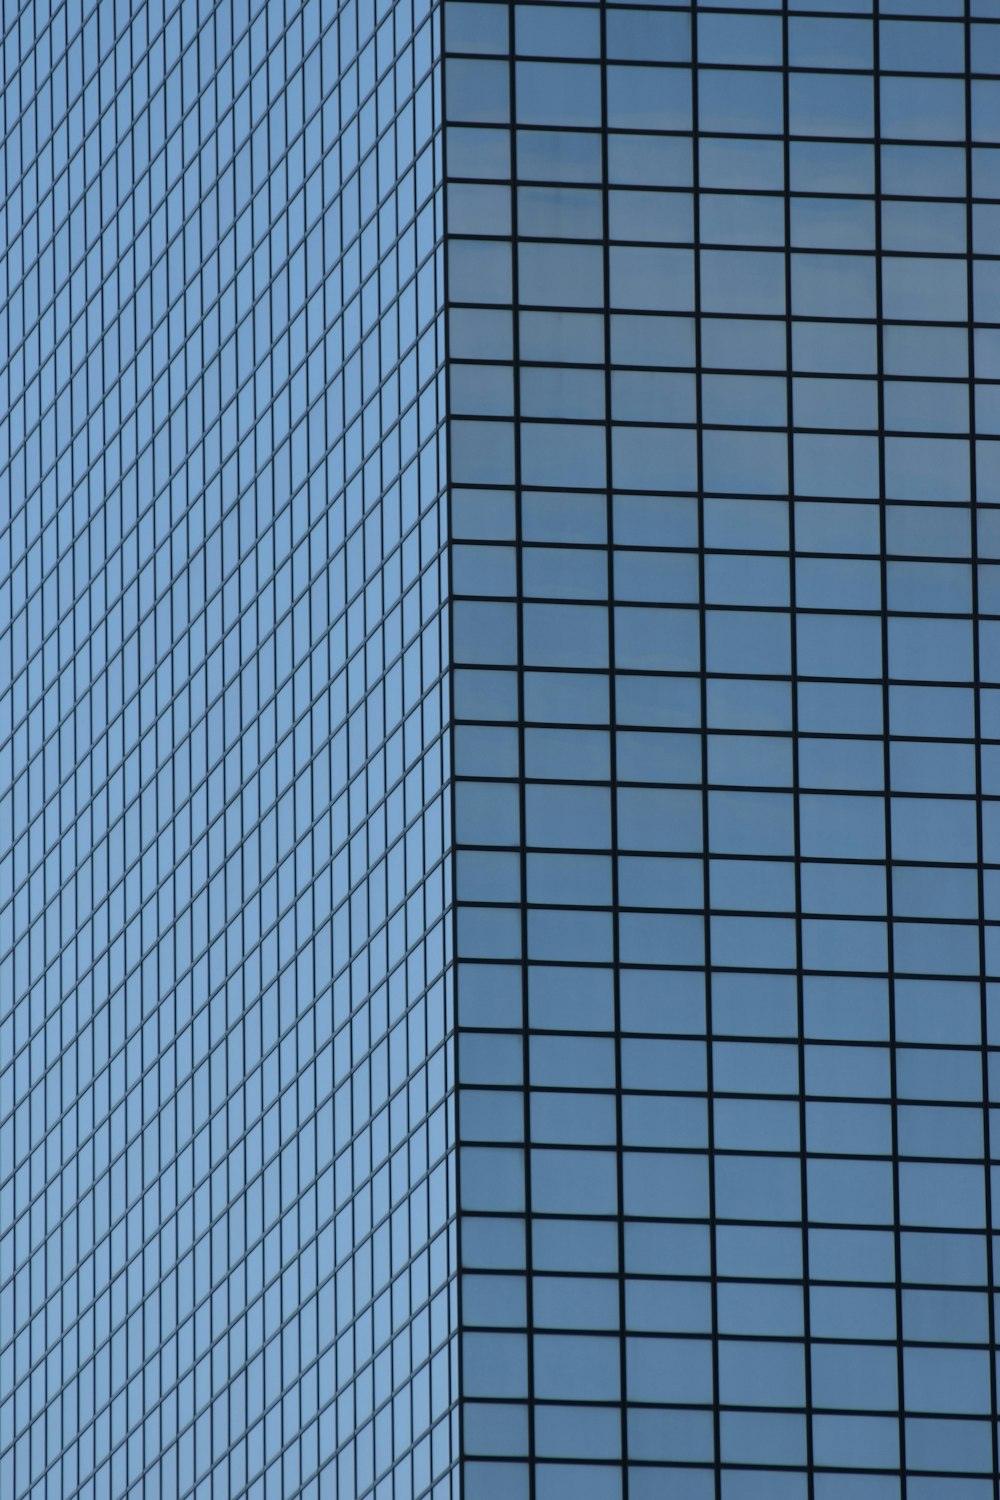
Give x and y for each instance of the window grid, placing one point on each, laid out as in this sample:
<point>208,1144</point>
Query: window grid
<point>629,688</point>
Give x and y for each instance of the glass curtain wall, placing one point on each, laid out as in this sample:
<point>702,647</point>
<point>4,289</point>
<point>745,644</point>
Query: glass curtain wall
<point>724,300</point>
<point>226,1260</point>
<point>698,653</point>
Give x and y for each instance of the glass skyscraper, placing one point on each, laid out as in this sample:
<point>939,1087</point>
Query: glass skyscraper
<point>499,750</point>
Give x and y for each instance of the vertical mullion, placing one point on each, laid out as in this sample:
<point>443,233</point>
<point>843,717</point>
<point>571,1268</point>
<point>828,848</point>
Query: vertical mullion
<point>613,765</point>
<point>703,685</point>
<point>522,789</point>
<point>886,742</point>
<point>448,730</point>
<point>796,820</point>
<point>984,1021</point>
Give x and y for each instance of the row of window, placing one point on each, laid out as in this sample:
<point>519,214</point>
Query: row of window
<point>735,758</point>
<point>754,1125</point>
<point>846,1443</point>
<point>723,35</point>
<point>749,1308</point>
<point>660,882</point>
<point>738,163</point>
<point>731,579</point>
<point>726,462</point>
<point>646,395</point>
<point>763,941</point>
<point>718,524</point>
<point>664,1001</point>
<point>666,214</point>
<point>848,284</point>
<point>586,1367</point>
<point>751,1253</point>
<point>735,101</point>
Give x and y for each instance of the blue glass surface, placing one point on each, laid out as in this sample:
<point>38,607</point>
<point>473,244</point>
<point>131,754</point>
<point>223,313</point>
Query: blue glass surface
<point>499,750</point>
<point>227,1246</point>
<point>724,500</point>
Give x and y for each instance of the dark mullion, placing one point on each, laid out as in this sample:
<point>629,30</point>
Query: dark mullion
<point>990,1238</point>
<point>522,790</point>
<point>886,760</point>
<point>847,376</point>
<point>845,252</point>
<point>612,750</point>
<point>678,133</point>
<point>449,791</point>
<point>796,819</point>
<point>847,320</point>
<point>825,194</point>
<point>696,137</point>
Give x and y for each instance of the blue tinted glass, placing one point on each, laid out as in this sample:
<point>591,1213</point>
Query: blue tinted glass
<point>499,751</point>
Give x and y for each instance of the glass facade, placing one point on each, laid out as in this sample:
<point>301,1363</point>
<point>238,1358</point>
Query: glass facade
<point>226,1206</point>
<point>499,750</point>
<point>724,341</point>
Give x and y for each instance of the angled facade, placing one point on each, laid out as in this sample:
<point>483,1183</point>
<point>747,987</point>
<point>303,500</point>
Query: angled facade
<point>227,1245</point>
<point>499,751</point>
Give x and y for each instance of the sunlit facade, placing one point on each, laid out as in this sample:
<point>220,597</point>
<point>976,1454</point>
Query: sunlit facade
<point>226,1211</point>
<point>499,751</point>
